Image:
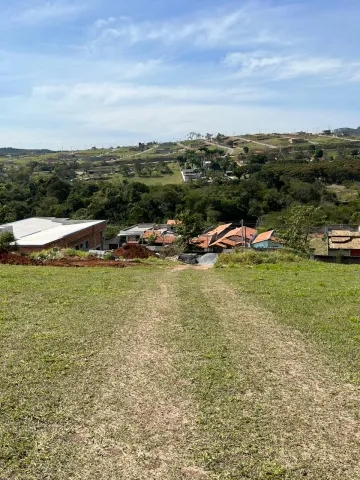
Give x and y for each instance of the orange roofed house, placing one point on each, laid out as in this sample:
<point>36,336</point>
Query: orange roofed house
<point>266,240</point>
<point>225,237</point>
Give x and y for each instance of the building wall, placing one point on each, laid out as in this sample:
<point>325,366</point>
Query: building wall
<point>335,252</point>
<point>266,244</point>
<point>94,235</point>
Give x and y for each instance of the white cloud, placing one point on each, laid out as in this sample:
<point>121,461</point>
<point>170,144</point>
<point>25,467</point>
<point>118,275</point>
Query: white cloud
<point>117,93</point>
<point>290,66</point>
<point>252,23</point>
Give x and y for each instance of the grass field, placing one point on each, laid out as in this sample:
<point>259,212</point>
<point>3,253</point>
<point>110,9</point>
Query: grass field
<point>174,178</point>
<point>180,373</point>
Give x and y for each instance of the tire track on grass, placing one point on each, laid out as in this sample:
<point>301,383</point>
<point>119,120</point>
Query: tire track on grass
<point>294,411</point>
<point>142,418</point>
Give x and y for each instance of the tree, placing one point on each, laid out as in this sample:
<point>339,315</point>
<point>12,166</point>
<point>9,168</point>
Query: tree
<point>189,225</point>
<point>298,221</point>
<point>111,231</point>
<point>246,150</point>
<point>6,239</point>
<point>319,153</point>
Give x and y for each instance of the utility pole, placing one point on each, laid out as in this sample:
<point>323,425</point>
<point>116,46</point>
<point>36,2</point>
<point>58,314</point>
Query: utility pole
<point>242,234</point>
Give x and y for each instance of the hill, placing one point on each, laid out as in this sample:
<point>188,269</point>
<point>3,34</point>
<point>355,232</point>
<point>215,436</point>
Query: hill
<point>170,373</point>
<point>347,131</point>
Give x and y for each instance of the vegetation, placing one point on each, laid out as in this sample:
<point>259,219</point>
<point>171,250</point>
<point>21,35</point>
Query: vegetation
<point>257,369</point>
<point>259,185</point>
<point>253,257</point>
<point>6,239</point>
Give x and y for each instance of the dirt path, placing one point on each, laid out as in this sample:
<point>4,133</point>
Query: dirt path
<point>142,417</point>
<point>302,415</point>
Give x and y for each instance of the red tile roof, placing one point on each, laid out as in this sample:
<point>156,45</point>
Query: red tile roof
<point>263,237</point>
<point>219,229</point>
<point>202,241</point>
<point>150,233</point>
<point>166,239</point>
<point>243,233</point>
<point>247,232</point>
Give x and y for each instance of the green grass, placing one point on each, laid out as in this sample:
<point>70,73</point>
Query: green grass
<point>174,178</point>
<point>168,372</point>
<point>320,300</point>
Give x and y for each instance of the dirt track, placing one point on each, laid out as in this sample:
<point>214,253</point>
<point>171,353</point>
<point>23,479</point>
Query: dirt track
<point>184,378</point>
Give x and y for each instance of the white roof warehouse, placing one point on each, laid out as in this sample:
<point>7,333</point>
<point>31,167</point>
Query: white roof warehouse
<point>34,234</point>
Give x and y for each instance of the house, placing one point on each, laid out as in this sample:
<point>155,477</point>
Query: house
<point>266,240</point>
<point>345,242</point>
<point>189,174</point>
<point>297,140</point>
<point>158,234</point>
<point>41,233</point>
<point>171,224</point>
<point>225,237</point>
<point>204,240</point>
<point>135,233</point>
<point>239,237</point>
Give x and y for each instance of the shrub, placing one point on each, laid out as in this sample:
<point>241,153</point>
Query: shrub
<point>175,249</point>
<point>6,239</point>
<point>51,254</point>
<point>72,252</point>
<point>253,257</point>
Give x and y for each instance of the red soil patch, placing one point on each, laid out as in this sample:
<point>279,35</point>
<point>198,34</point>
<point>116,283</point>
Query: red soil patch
<point>15,259</point>
<point>131,251</point>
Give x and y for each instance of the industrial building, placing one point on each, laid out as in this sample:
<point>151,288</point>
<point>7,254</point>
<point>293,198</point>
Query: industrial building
<point>39,233</point>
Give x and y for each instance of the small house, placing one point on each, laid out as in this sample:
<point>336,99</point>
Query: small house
<point>266,240</point>
<point>344,242</point>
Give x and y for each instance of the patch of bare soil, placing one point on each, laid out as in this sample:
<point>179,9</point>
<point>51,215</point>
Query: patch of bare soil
<point>15,259</point>
<point>297,407</point>
<point>141,420</point>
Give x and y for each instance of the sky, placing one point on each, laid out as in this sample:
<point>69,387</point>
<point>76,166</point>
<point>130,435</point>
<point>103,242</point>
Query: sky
<point>82,73</point>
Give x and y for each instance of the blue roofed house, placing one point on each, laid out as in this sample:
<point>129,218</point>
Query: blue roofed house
<point>266,240</point>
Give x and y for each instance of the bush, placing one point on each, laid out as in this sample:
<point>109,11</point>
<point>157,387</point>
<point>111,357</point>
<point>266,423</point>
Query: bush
<point>176,249</point>
<point>253,257</point>
<point>6,239</point>
<point>51,254</point>
<point>72,252</point>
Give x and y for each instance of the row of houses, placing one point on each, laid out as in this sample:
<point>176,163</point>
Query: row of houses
<point>224,237</point>
<point>230,236</point>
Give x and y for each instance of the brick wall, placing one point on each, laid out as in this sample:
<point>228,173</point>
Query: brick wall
<point>92,234</point>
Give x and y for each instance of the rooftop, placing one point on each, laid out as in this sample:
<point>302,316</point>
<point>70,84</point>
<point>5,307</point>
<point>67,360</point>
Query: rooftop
<point>44,230</point>
<point>263,237</point>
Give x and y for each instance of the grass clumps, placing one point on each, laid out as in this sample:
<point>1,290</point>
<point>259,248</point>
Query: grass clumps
<point>57,253</point>
<point>253,257</point>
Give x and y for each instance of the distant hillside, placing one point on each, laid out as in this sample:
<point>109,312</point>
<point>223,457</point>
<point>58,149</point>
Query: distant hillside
<point>347,131</point>
<point>22,151</point>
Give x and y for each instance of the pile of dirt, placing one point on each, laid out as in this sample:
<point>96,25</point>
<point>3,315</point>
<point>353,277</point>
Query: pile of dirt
<point>131,251</point>
<point>15,259</point>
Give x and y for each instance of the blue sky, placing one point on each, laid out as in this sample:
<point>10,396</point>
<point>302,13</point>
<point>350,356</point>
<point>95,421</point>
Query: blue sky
<point>77,73</point>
